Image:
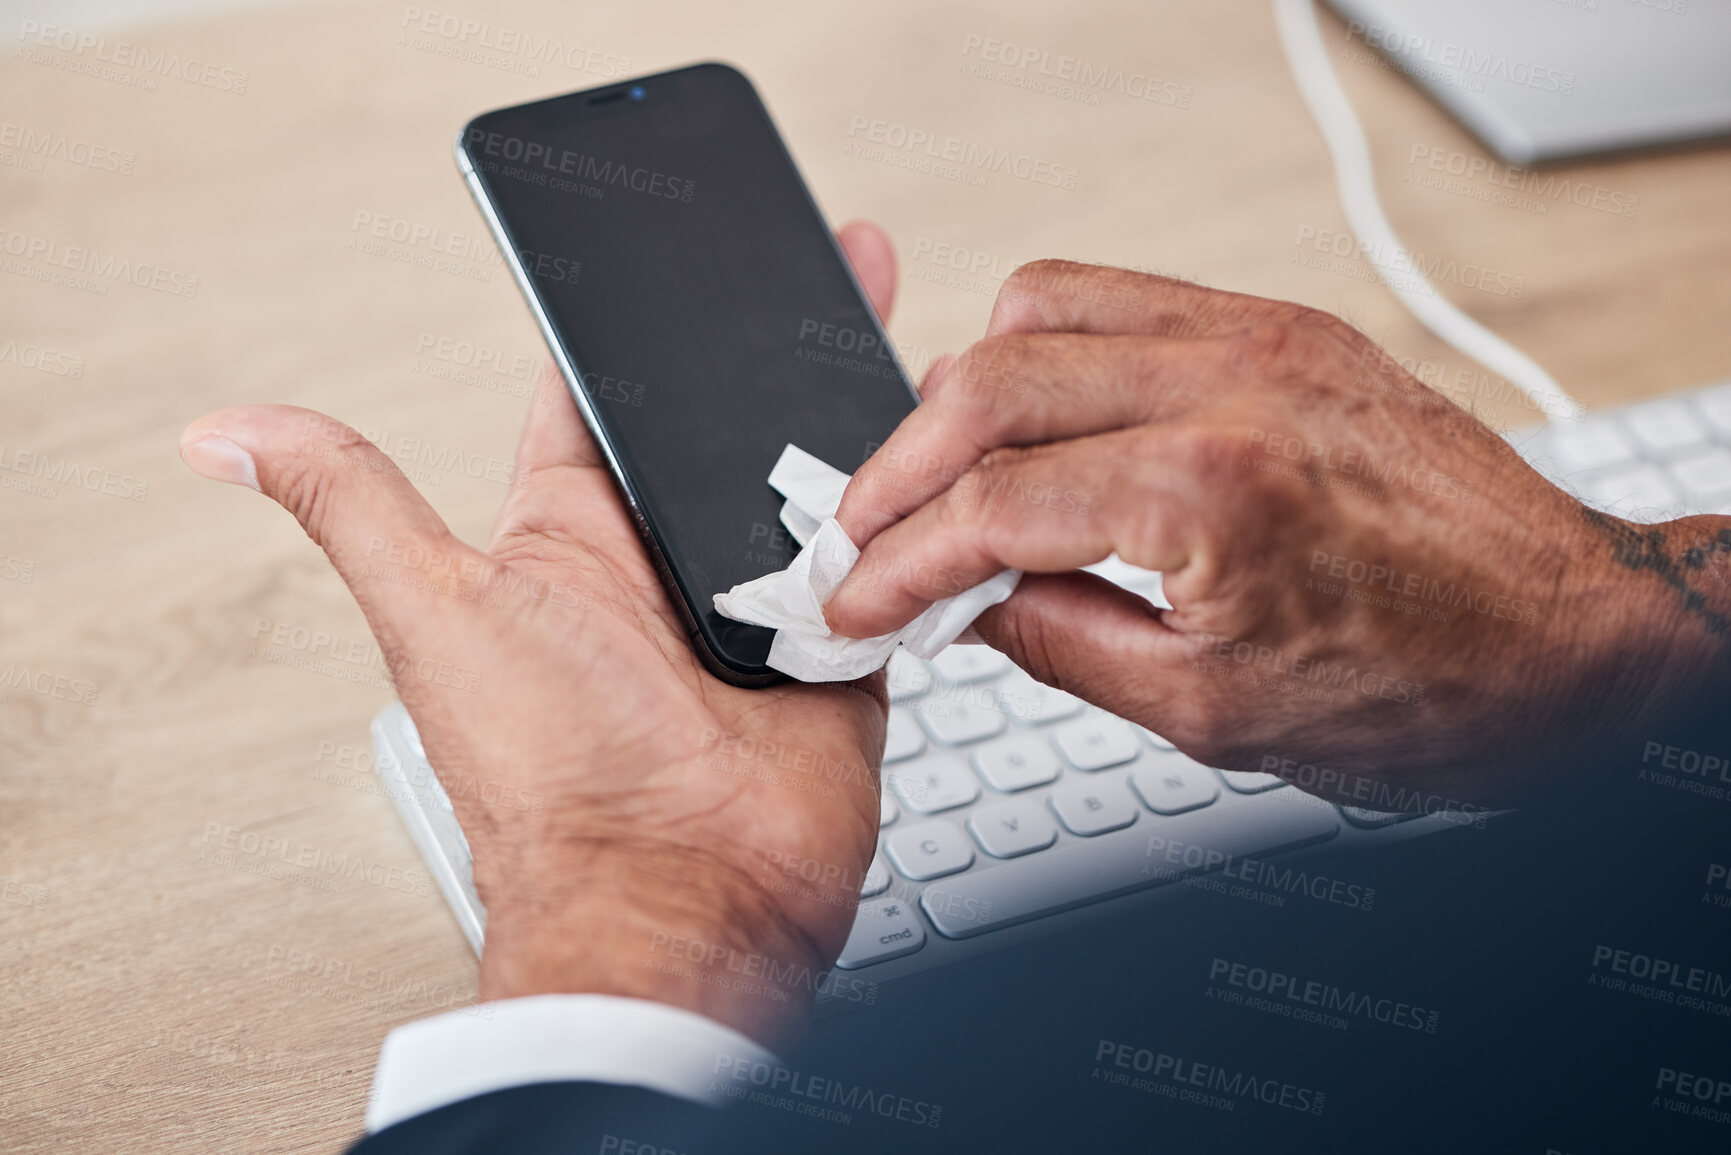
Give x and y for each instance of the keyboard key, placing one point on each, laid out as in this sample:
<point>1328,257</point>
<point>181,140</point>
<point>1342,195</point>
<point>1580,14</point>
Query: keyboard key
<point>1096,743</point>
<point>959,665</point>
<point>1251,781</point>
<point>1665,428</point>
<point>1090,808</point>
<point>1595,443</point>
<point>1715,404</point>
<point>1161,851</point>
<point>933,784</point>
<point>1640,494</point>
<point>955,722</point>
<point>1156,740</point>
<point>1174,785</point>
<point>1011,829</point>
<point>887,810</point>
<point>904,739</point>
<point>883,929</point>
<point>959,908</point>
<point>1706,478</point>
<point>877,879</point>
<point>1375,819</point>
<point>1031,703</point>
<point>929,850</point>
<point>908,677</point>
<point>1016,763</point>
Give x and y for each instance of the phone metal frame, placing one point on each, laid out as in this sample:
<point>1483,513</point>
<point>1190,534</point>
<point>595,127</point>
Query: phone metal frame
<point>573,380</point>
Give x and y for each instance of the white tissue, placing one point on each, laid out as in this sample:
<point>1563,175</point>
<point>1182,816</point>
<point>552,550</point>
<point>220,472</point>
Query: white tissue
<point>791,602</point>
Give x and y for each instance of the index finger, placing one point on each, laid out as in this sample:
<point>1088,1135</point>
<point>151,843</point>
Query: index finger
<point>1021,390</point>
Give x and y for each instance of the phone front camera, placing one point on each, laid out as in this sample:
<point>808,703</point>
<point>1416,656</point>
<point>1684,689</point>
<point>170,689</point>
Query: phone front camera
<point>637,92</point>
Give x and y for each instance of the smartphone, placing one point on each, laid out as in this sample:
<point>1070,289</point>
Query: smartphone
<point>701,313</point>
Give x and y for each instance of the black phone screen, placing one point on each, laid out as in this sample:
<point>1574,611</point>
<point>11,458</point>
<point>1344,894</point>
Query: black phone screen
<point>704,307</point>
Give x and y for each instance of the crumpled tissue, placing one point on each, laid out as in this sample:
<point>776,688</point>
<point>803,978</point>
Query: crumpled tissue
<point>791,601</point>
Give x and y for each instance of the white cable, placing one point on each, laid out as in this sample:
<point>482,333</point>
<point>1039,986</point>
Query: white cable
<point>1377,241</point>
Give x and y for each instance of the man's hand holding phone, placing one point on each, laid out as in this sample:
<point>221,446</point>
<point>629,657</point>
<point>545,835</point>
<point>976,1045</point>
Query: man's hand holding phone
<point>630,815</point>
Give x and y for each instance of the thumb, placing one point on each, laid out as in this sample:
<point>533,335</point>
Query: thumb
<point>351,499</point>
<point>1084,635</point>
<point>873,258</point>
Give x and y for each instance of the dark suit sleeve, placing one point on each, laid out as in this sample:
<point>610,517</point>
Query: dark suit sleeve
<point>554,1117</point>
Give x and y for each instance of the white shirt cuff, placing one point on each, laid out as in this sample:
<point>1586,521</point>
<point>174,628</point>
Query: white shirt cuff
<point>433,1062</point>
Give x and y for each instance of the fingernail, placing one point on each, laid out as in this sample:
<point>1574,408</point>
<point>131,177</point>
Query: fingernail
<point>220,459</point>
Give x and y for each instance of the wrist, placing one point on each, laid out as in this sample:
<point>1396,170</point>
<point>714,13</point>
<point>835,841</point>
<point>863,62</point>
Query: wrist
<point>1661,623</point>
<point>660,922</point>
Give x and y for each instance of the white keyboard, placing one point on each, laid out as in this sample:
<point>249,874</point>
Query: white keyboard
<point>1650,461</point>
<point>1012,809</point>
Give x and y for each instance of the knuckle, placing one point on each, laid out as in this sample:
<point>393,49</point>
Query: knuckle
<point>1330,327</point>
<point>1293,313</point>
<point>1210,454</point>
<point>972,505</point>
<point>1036,273</point>
<point>975,490</point>
<point>975,385</point>
<point>1280,350</point>
<point>962,501</point>
<point>1235,493</point>
<point>1031,286</point>
<point>896,471</point>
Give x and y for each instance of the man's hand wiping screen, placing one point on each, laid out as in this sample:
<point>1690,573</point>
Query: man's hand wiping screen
<point>1369,582</point>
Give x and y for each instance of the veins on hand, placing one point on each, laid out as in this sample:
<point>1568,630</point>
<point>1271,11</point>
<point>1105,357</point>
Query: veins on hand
<point>1637,548</point>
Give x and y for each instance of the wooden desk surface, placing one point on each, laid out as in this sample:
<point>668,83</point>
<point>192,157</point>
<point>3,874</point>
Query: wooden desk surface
<point>180,668</point>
